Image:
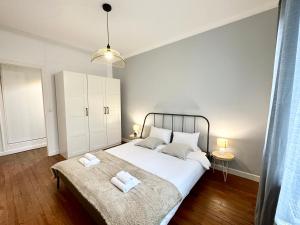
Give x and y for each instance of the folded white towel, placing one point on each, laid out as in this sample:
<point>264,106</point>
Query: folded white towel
<point>94,161</point>
<point>87,163</point>
<point>84,161</point>
<point>124,187</point>
<point>90,156</point>
<point>125,177</point>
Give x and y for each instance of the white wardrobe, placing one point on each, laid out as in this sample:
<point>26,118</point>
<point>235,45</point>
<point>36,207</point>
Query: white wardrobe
<point>88,111</point>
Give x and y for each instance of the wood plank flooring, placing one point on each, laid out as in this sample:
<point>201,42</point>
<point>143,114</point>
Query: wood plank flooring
<point>28,196</point>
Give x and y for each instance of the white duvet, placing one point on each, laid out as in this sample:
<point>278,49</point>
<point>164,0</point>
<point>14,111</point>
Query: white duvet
<point>184,174</point>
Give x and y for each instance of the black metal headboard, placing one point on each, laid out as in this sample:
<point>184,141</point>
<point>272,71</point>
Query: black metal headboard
<point>183,117</point>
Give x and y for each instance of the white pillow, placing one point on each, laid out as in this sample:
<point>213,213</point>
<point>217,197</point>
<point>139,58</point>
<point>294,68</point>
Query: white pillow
<point>190,139</point>
<point>163,134</point>
<point>177,150</point>
<point>150,142</point>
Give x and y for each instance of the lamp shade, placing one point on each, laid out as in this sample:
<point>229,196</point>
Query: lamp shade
<point>108,56</point>
<point>222,142</point>
<point>136,128</point>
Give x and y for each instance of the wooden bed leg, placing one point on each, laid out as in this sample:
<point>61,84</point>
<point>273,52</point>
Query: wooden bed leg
<point>57,183</point>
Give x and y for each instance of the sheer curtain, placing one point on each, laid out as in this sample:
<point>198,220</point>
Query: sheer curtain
<point>279,190</point>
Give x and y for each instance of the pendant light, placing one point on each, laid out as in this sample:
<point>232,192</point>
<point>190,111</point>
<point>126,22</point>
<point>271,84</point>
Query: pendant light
<point>108,55</point>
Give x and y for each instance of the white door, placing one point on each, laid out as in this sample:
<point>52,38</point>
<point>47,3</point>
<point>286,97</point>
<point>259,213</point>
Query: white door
<point>75,86</point>
<point>97,118</point>
<point>113,103</point>
<point>23,104</point>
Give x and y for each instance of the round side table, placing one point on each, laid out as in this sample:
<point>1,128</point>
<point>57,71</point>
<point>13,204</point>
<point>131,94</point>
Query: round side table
<point>225,158</point>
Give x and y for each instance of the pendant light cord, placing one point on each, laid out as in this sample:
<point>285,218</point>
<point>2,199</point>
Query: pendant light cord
<point>107,29</point>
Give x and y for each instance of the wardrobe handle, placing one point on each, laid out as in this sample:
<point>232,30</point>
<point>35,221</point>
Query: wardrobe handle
<point>104,109</point>
<point>86,111</point>
<point>107,110</point>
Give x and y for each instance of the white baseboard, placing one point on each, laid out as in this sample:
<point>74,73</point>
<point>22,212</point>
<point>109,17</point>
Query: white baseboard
<point>239,173</point>
<point>23,149</point>
<point>53,152</point>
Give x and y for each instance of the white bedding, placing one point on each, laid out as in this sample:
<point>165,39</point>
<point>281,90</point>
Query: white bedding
<point>184,174</point>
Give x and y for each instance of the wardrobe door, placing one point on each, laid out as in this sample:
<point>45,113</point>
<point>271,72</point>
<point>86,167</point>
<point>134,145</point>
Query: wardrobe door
<point>113,103</point>
<point>97,118</point>
<point>76,105</point>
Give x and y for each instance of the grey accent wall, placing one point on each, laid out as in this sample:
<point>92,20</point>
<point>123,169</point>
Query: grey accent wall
<point>224,74</point>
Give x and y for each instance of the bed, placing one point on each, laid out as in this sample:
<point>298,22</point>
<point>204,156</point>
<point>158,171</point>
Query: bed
<point>182,174</point>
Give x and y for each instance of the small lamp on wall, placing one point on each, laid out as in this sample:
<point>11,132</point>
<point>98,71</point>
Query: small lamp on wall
<point>222,144</point>
<point>136,129</point>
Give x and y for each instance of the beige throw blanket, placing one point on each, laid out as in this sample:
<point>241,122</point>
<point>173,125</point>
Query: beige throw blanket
<point>146,204</point>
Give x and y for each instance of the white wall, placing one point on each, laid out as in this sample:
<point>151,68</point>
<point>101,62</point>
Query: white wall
<point>22,49</point>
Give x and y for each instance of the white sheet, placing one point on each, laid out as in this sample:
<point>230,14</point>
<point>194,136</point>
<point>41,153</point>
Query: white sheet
<point>184,174</point>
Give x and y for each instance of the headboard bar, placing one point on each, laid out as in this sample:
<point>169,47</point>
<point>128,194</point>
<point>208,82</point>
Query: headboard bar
<point>182,116</point>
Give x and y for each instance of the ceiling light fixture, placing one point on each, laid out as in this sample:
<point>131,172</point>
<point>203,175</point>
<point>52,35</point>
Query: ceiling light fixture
<point>108,55</point>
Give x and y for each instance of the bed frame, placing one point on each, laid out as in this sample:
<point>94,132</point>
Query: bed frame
<point>181,120</point>
<point>92,211</point>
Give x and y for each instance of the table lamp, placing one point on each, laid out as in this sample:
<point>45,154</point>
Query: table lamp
<point>136,129</point>
<point>222,144</point>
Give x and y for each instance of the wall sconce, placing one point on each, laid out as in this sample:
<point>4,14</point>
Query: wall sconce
<point>222,144</point>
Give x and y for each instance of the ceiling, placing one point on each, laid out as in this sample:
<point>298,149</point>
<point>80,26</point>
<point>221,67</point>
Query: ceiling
<point>135,25</point>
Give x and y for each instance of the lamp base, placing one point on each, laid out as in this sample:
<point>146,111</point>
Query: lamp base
<point>222,150</point>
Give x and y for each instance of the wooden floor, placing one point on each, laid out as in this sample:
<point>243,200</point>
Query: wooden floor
<point>28,196</point>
